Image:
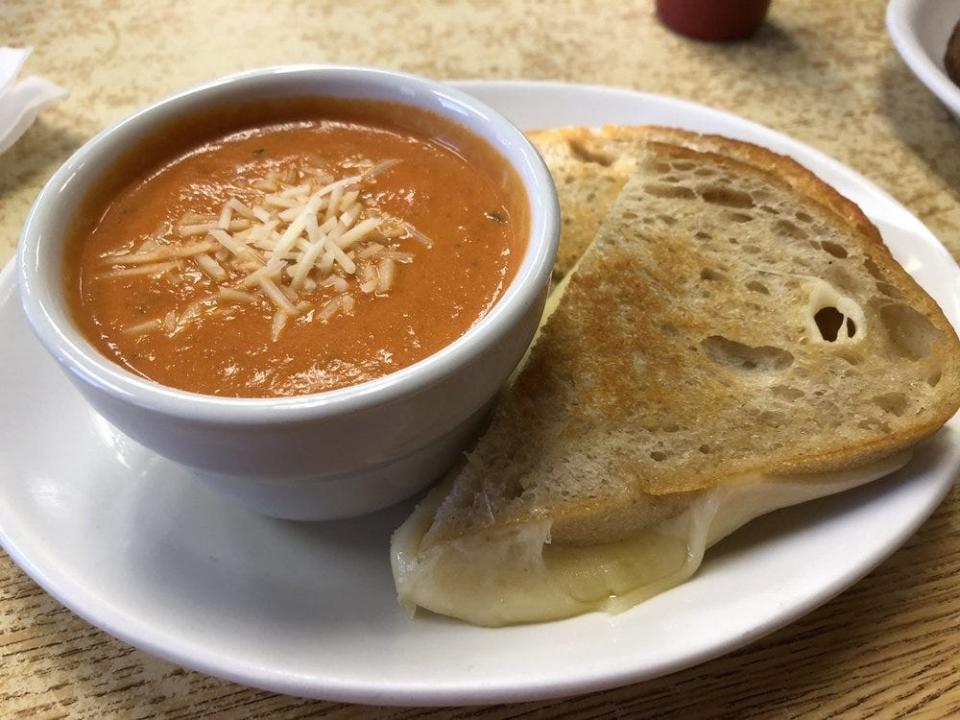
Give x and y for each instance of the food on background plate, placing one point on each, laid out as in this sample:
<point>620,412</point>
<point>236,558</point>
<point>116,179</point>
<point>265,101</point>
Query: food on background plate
<point>736,339</point>
<point>317,245</point>
<point>951,59</point>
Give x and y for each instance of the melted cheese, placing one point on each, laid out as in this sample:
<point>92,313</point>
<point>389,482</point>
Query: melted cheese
<point>514,574</point>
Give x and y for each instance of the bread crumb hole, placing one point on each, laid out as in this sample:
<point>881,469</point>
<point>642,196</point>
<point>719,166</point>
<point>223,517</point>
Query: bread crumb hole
<point>744,357</point>
<point>708,274</point>
<point>672,192</point>
<point>658,456</point>
<point>683,165</point>
<point>910,332</point>
<point>838,251</point>
<point>740,217</point>
<point>829,320</point>
<point>758,286</point>
<point>513,491</point>
<point>628,215</point>
<point>582,152</point>
<point>851,359</point>
<point>716,195</point>
<point>802,216</point>
<point>785,392</point>
<point>788,229</point>
<point>873,269</point>
<point>894,403</point>
<point>704,172</point>
<point>705,449</point>
<point>772,418</point>
<point>934,379</point>
<point>769,210</point>
<point>703,235</point>
<point>889,290</point>
<point>667,220</point>
<point>671,427</point>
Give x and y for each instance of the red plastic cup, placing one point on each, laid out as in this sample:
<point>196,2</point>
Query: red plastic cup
<point>713,19</point>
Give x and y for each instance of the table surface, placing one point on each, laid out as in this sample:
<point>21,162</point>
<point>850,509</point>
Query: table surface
<point>824,72</point>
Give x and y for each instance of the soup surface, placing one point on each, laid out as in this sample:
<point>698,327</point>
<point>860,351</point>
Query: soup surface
<point>296,255</point>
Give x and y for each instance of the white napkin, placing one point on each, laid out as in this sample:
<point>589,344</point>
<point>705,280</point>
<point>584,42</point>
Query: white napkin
<point>21,101</point>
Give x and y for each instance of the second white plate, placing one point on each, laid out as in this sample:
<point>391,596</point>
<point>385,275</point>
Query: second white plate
<point>131,543</point>
<point>920,30</point>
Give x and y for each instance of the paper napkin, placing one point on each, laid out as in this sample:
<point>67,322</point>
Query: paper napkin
<point>21,100</point>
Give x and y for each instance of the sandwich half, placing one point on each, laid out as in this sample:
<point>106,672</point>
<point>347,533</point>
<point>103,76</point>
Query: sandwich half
<point>736,339</point>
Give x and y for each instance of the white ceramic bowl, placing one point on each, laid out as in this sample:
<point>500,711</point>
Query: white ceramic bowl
<point>920,30</point>
<point>327,455</point>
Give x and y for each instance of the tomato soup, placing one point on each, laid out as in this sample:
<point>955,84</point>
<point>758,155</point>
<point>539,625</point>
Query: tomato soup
<point>294,247</point>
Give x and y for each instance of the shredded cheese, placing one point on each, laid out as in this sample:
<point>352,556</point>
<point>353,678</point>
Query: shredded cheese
<point>186,230</point>
<point>386,269</point>
<point>155,254</point>
<point>299,231</point>
<point>330,309</point>
<point>279,322</point>
<point>144,327</point>
<point>211,267</point>
<point>153,270</point>
<point>271,290</point>
<point>170,321</point>
<point>237,296</point>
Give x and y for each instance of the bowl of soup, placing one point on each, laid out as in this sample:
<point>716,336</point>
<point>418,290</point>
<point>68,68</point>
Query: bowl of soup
<point>306,284</point>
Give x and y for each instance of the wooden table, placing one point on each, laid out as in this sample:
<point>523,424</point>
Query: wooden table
<point>824,72</point>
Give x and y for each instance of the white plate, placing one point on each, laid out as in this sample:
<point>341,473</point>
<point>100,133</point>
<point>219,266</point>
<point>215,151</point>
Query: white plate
<point>132,544</point>
<point>920,30</point>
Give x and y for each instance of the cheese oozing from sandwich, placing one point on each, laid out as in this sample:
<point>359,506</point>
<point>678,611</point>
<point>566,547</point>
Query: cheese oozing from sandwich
<point>516,574</point>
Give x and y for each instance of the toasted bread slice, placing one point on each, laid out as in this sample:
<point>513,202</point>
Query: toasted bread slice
<point>589,172</point>
<point>737,333</point>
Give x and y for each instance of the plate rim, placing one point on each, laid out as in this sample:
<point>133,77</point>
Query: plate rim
<point>119,623</point>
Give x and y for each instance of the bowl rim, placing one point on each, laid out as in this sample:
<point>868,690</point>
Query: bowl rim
<point>77,355</point>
